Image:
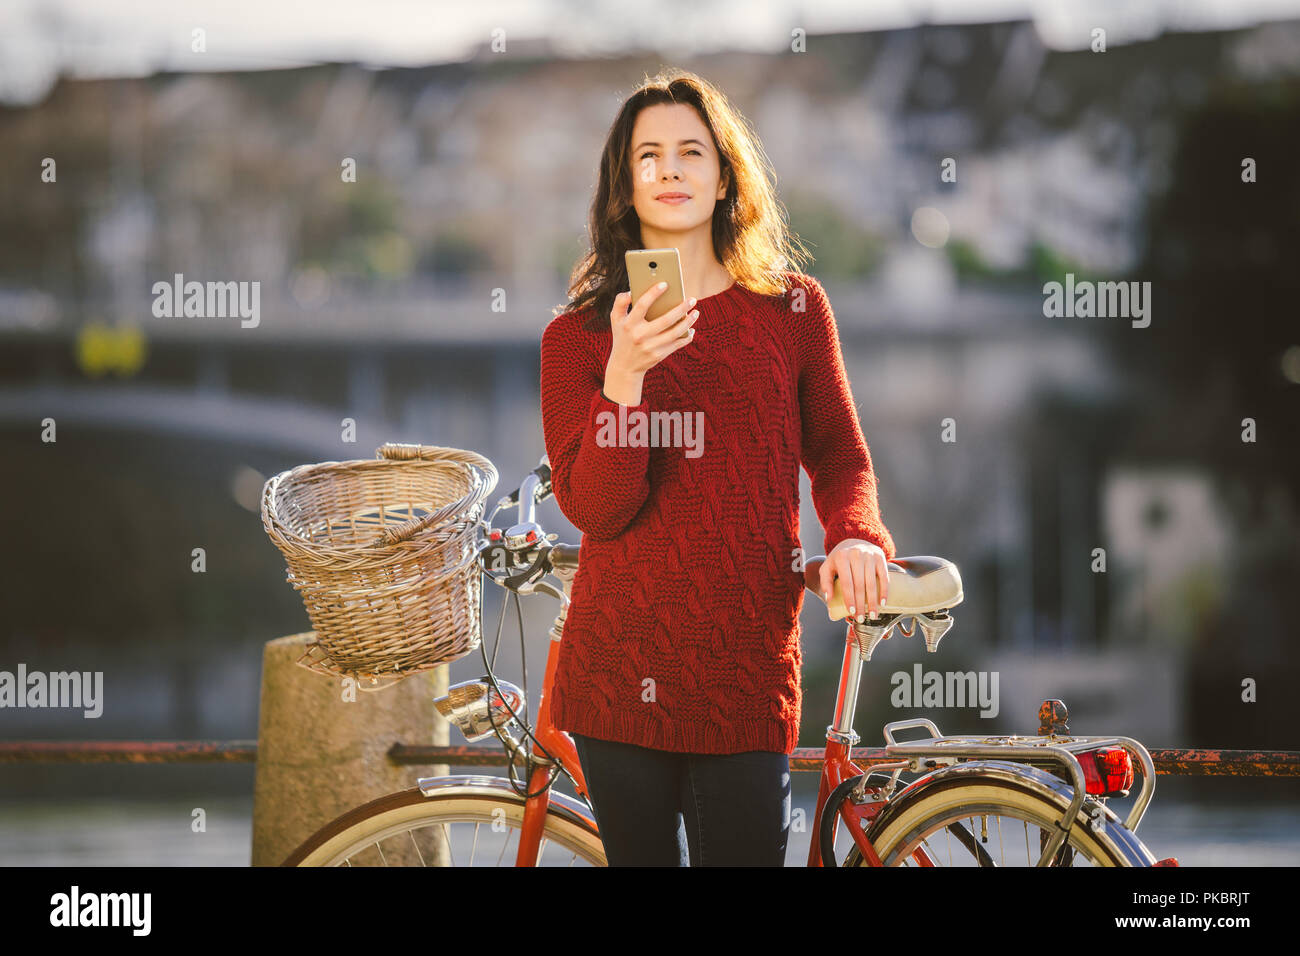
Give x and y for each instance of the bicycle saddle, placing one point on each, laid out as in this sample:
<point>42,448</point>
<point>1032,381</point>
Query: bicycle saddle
<point>917,585</point>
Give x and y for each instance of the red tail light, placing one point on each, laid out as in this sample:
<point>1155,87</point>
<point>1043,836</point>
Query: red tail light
<point>1107,771</point>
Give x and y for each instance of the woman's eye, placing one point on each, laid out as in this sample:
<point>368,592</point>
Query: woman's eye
<point>695,151</point>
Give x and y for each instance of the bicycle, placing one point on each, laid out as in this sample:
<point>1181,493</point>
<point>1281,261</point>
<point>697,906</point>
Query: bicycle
<point>1054,782</point>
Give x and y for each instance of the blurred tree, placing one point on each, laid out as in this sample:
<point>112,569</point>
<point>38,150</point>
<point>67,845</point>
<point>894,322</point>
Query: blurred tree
<point>1221,257</point>
<point>842,248</point>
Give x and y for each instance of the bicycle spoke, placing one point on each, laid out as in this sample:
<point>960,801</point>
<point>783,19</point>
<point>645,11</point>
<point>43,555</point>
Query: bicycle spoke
<point>504,846</point>
<point>446,836</point>
<point>411,834</point>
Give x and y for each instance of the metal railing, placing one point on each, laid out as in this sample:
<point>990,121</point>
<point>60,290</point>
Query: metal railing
<point>1175,761</point>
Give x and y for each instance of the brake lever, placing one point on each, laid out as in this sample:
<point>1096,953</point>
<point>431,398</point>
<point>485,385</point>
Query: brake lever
<point>546,587</point>
<point>530,574</point>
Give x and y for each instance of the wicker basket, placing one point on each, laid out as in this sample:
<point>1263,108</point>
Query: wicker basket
<point>383,555</point>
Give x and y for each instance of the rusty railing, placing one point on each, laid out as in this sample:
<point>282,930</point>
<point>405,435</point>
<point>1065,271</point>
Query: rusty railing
<point>1180,762</point>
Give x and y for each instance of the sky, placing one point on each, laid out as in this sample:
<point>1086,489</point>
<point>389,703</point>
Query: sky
<point>39,39</point>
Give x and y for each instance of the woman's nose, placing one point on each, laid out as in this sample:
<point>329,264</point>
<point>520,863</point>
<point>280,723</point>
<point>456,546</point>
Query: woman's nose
<point>668,170</point>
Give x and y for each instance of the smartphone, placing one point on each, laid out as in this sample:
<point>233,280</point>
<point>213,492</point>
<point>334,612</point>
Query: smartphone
<point>645,267</point>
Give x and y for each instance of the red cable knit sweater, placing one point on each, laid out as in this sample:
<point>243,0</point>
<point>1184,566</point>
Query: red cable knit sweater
<point>683,632</point>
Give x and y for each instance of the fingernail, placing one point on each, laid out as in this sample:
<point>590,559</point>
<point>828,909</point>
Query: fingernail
<point>663,285</point>
<point>852,611</point>
<point>874,615</point>
<point>826,595</point>
<point>693,301</point>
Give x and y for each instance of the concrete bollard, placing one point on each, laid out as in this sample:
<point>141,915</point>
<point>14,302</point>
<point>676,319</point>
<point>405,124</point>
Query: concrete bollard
<point>319,754</point>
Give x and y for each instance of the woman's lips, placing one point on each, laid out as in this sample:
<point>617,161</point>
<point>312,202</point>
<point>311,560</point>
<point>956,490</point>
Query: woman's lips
<point>674,199</point>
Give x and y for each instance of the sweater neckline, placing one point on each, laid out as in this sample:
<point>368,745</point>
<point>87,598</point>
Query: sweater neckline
<point>718,295</point>
<point>726,293</point>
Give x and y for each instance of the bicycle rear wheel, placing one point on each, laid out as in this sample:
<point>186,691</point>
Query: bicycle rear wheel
<point>1005,824</point>
<point>408,828</point>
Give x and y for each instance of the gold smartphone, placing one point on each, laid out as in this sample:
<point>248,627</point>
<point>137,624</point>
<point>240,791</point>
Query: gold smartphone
<point>645,267</point>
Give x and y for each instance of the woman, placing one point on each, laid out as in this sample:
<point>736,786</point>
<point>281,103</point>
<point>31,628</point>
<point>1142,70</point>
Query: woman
<point>678,675</point>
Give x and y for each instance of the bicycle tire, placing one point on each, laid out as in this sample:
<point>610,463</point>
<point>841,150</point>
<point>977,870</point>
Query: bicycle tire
<point>385,818</point>
<point>827,823</point>
<point>954,800</point>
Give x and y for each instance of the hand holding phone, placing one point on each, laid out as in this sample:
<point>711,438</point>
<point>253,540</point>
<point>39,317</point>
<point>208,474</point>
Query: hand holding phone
<point>642,342</point>
<point>639,343</point>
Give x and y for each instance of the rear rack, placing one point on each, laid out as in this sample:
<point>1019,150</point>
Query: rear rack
<point>1058,749</point>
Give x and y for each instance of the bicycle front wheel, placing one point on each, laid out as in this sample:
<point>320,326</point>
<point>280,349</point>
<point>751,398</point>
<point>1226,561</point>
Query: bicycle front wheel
<point>452,829</point>
<point>984,821</point>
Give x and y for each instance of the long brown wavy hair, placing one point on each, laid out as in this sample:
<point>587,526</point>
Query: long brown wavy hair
<point>751,236</point>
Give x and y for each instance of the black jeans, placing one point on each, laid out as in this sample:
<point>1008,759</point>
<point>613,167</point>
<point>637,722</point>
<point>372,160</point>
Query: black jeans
<point>652,806</point>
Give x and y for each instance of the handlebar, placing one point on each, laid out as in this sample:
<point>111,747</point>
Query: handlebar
<point>522,554</point>
<point>535,488</point>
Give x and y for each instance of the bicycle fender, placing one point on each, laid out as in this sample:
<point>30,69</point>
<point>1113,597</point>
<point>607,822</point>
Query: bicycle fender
<point>483,786</point>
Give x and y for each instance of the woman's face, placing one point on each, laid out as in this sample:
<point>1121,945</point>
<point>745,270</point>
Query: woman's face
<point>673,152</point>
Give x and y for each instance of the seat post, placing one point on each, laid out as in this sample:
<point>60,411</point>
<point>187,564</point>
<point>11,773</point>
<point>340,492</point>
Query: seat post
<point>846,700</point>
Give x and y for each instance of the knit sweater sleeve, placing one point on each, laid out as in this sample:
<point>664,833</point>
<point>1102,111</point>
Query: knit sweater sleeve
<point>833,449</point>
<point>599,485</point>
